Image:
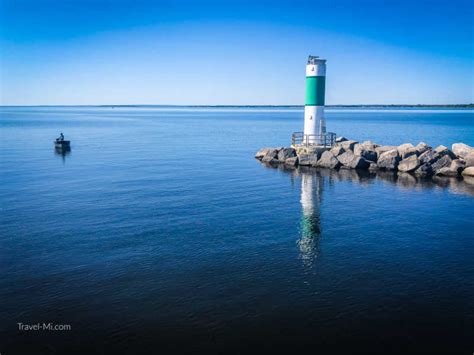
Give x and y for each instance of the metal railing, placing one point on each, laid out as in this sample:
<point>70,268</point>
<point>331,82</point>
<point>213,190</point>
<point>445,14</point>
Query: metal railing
<point>326,139</point>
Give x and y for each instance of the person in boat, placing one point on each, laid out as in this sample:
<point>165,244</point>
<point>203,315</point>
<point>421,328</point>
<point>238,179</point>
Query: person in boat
<point>61,137</point>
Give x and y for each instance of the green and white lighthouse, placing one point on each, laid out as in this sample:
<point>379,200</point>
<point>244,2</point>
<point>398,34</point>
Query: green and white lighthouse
<point>314,122</point>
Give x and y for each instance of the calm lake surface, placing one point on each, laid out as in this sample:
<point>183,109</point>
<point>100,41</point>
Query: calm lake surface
<point>161,233</point>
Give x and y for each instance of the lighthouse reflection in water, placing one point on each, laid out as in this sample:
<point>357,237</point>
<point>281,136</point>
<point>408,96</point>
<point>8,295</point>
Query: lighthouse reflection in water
<point>311,191</point>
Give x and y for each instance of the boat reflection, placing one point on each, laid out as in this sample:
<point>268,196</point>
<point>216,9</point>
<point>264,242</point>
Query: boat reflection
<point>63,153</point>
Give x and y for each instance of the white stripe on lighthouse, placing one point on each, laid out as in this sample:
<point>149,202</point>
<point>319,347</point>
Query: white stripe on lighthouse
<point>315,70</point>
<point>314,121</point>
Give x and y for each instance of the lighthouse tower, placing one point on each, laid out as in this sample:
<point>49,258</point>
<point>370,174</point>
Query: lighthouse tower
<point>314,122</point>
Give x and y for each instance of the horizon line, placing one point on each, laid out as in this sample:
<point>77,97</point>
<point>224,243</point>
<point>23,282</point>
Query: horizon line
<point>227,105</point>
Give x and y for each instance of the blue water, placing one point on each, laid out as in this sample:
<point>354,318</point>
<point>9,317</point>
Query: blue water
<point>160,233</point>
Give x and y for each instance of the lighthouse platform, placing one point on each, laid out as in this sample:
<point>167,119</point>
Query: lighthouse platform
<point>312,143</point>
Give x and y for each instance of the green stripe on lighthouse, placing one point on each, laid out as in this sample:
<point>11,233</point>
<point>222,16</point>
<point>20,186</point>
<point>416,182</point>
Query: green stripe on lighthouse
<point>315,90</point>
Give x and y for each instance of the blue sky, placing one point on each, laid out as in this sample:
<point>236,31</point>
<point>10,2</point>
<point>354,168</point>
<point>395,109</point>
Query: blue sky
<point>234,52</point>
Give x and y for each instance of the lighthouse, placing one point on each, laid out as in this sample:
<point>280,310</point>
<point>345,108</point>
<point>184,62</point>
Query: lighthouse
<point>314,122</point>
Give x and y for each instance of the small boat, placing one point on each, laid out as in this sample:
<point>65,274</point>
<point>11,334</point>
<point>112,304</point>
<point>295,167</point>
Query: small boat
<point>62,144</point>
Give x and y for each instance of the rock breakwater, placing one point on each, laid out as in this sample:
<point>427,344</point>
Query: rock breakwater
<point>420,160</point>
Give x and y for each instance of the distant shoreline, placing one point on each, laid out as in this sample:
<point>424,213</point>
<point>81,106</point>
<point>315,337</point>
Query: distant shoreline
<point>471,105</point>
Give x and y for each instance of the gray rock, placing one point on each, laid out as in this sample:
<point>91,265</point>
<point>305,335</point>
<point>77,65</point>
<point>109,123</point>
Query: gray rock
<point>469,159</point>
<point>446,172</point>
<point>440,148</point>
<point>370,144</point>
<point>328,160</point>
<point>346,158</point>
<point>468,171</point>
<point>404,146</point>
<point>424,170</point>
<point>308,159</point>
<point>292,161</point>
<point>422,147</point>
<point>337,150</point>
<point>358,162</point>
<point>286,153</point>
<point>272,161</point>
<point>442,151</point>
<point>341,139</point>
<point>429,157</point>
<point>271,154</point>
<point>457,165</point>
<point>462,150</point>
<point>409,164</point>
<point>262,152</point>
<point>409,152</point>
<point>389,160</point>
<point>348,145</point>
<point>366,151</point>
<point>352,161</point>
<point>319,151</point>
<point>443,162</point>
<point>384,148</point>
<point>454,169</point>
<point>405,150</point>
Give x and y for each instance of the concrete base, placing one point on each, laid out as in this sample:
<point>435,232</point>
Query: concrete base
<point>310,149</point>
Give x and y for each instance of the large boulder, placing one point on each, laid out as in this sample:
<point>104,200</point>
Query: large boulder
<point>358,162</point>
<point>409,164</point>
<point>337,150</point>
<point>422,147</point>
<point>270,160</point>
<point>262,152</point>
<point>366,150</point>
<point>293,161</point>
<point>384,148</point>
<point>271,156</point>
<point>462,150</point>
<point>442,151</point>
<point>346,157</point>
<point>286,153</point>
<point>328,160</point>
<point>429,157</point>
<point>469,159</point>
<point>307,159</point>
<point>407,149</point>
<point>409,152</point>
<point>457,165</point>
<point>424,170</point>
<point>348,145</point>
<point>341,139</point>
<point>443,162</point>
<point>454,169</point>
<point>468,171</point>
<point>352,161</point>
<point>389,160</point>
